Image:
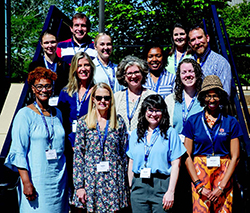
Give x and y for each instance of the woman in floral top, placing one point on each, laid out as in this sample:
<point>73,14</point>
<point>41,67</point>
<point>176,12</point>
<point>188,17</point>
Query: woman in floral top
<point>100,163</point>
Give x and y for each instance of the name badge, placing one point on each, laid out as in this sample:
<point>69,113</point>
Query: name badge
<point>182,137</point>
<point>53,101</point>
<point>74,124</point>
<point>51,154</point>
<point>145,173</point>
<point>213,161</point>
<point>103,166</point>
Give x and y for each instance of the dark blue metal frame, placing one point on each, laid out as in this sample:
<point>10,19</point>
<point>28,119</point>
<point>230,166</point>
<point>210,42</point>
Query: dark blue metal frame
<point>234,95</point>
<point>57,21</point>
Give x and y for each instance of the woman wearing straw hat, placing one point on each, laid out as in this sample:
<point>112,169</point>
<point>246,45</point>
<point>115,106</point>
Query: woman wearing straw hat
<point>212,138</point>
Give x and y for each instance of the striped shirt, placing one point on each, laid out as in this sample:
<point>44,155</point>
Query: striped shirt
<point>164,85</point>
<point>68,48</point>
<point>213,63</point>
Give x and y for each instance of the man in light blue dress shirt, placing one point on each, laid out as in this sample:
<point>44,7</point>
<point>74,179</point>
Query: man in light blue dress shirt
<point>211,62</point>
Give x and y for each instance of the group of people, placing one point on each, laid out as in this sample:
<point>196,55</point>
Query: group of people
<point>101,137</point>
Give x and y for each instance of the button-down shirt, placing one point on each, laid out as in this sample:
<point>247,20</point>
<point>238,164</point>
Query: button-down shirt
<point>163,152</point>
<point>213,63</point>
<point>101,76</point>
<point>165,84</point>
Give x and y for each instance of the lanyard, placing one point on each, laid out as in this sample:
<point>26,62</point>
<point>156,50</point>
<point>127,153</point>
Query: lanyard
<point>47,65</point>
<point>78,103</point>
<point>184,116</point>
<point>158,83</point>
<point>134,109</point>
<point>73,45</point>
<point>175,59</point>
<point>50,136</point>
<point>202,63</point>
<point>111,81</point>
<point>208,133</point>
<point>102,139</point>
<point>148,148</point>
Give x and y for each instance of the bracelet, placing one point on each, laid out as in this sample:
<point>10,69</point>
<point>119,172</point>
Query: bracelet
<point>220,189</point>
<point>198,186</point>
<point>197,182</point>
<point>200,189</point>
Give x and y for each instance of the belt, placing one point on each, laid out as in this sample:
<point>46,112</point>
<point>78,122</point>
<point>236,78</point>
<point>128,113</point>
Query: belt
<point>154,175</point>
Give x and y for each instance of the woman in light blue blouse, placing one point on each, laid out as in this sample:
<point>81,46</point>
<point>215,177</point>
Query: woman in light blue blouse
<point>154,153</point>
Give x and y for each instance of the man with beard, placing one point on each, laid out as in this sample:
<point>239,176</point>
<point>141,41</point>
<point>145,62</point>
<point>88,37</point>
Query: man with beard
<point>80,40</point>
<point>211,62</point>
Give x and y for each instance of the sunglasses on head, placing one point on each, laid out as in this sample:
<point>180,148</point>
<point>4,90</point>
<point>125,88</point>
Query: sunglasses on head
<point>99,98</point>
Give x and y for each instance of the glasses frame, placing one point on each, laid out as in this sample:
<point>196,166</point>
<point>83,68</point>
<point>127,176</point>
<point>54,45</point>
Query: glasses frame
<point>151,110</point>
<point>43,86</point>
<point>208,98</point>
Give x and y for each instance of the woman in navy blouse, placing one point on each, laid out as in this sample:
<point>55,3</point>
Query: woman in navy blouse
<point>74,99</point>
<point>212,138</point>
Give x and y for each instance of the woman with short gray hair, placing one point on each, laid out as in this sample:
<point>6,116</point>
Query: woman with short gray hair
<point>131,73</point>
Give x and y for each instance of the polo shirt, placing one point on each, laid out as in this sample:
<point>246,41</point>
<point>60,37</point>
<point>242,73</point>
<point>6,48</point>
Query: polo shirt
<point>68,48</point>
<point>229,129</point>
<point>163,152</point>
<point>213,63</point>
<point>165,84</point>
<point>106,75</point>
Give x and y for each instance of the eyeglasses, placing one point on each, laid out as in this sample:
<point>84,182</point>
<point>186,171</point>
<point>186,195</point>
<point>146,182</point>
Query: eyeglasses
<point>209,97</point>
<point>133,73</point>
<point>40,87</point>
<point>99,98</point>
<point>151,110</point>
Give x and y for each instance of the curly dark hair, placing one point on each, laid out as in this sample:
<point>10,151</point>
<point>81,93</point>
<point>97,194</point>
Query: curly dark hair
<point>39,73</point>
<point>179,85</point>
<point>154,101</point>
<point>221,94</point>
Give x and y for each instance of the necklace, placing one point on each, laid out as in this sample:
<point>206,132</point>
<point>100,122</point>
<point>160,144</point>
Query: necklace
<point>209,120</point>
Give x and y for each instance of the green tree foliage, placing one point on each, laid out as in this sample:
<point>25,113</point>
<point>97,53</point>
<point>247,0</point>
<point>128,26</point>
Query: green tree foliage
<point>27,19</point>
<point>138,22</point>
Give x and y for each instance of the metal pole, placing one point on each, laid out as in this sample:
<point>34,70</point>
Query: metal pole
<point>101,15</point>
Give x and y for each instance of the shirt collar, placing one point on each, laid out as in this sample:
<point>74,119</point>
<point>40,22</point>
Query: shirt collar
<point>84,44</point>
<point>203,56</point>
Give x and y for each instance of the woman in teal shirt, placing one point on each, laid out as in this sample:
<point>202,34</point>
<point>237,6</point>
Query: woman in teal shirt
<point>154,153</point>
<point>179,50</point>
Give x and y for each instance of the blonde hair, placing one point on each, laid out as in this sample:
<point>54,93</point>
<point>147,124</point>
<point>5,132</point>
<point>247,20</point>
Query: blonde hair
<point>73,84</point>
<point>91,117</point>
<point>101,34</point>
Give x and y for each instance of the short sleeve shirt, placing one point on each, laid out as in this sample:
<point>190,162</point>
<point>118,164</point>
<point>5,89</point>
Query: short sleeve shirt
<point>229,128</point>
<point>163,152</point>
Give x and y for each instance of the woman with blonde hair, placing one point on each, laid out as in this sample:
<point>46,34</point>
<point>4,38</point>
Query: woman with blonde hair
<point>105,69</point>
<point>100,163</point>
<point>73,102</point>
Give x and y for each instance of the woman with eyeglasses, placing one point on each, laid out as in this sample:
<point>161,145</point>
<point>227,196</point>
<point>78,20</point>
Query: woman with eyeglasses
<point>154,153</point>
<point>212,139</point>
<point>131,73</point>
<point>37,149</point>
<point>100,162</point>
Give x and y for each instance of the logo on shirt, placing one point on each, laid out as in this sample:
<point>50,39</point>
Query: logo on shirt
<point>222,132</point>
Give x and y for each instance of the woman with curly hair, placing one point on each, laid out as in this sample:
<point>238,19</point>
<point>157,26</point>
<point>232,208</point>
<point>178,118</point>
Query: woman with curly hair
<point>154,153</point>
<point>212,139</point>
<point>37,150</point>
<point>183,102</point>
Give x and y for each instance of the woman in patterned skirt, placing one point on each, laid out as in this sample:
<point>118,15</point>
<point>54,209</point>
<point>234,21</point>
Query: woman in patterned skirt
<point>100,163</point>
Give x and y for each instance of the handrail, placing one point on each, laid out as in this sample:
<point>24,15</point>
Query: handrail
<point>244,125</point>
<point>58,22</point>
